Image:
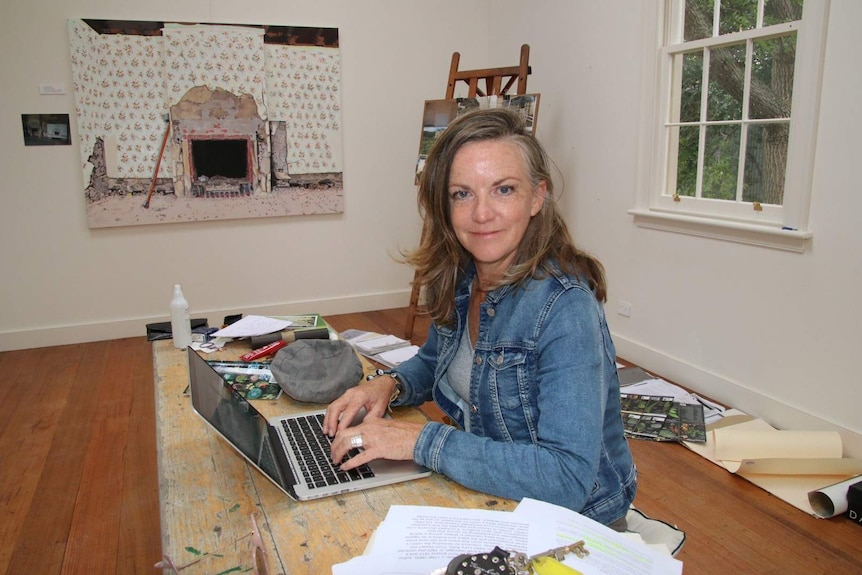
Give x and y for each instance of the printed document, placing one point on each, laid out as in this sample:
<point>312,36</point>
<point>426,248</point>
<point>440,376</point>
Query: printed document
<point>419,540</point>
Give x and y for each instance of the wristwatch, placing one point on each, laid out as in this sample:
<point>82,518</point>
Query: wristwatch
<point>399,387</point>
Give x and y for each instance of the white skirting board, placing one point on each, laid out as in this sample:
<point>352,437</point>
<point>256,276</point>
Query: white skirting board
<point>132,327</point>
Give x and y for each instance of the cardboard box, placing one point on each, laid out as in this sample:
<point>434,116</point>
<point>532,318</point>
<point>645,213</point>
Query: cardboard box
<point>854,502</point>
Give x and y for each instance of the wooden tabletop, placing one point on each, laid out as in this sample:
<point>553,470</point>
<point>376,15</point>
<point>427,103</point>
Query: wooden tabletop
<point>207,493</point>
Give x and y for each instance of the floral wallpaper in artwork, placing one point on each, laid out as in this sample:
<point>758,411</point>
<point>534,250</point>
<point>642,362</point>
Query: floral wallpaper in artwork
<point>119,97</point>
<point>230,58</point>
<point>125,84</point>
<point>302,90</point>
<point>130,76</point>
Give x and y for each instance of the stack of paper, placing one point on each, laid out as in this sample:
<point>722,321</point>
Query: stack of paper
<point>386,349</point>
<point>416,540</point>
<point>372,344</point>
<point>394,357</point>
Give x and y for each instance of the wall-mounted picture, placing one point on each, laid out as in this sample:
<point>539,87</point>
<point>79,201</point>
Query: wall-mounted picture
<point>184,122</point>
<point>46,129</point>
<point>437,114</point>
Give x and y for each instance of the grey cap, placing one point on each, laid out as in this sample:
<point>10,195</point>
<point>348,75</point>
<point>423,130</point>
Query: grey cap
<point>316,370</point>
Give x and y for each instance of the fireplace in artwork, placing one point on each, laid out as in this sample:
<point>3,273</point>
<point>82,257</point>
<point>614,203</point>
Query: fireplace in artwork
<point>223,149</point>
<point>221,167</point>
<point>227,158</point>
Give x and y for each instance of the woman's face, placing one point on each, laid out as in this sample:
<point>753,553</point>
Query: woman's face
<point>491,201</point>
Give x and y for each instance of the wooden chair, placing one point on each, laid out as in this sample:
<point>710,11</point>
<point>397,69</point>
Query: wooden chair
<point>493,79</point>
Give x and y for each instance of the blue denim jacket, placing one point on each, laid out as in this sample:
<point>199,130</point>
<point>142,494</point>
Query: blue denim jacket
<point>544,400</point>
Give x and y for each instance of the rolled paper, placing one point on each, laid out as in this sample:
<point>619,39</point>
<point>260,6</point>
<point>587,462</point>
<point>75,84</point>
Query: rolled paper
<point>831,500</point>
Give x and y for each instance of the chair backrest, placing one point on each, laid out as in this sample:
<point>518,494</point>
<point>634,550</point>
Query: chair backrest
<point>493,78</point>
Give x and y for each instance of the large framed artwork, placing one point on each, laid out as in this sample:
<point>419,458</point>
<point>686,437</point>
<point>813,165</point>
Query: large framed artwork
<point>192,122</point>
<point>438,114</point>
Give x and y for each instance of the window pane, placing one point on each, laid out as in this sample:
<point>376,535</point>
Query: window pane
<point>765,163</point>
<point>690,93</point>
<point>686,138</point>
<point>772,77</point>
<point>737,15</point>
<point>698,19</point>
<point>780,11</point>
<point>720,162</point>
<point>726,78</point>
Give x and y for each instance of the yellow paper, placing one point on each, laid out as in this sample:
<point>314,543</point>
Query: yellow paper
<point>733,446</point>
<point>550,566</point>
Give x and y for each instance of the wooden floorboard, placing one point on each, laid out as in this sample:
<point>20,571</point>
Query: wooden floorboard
<point>140,501</point>
<point>79,480</point>
<point>93,530</point>
<point>27,448</point>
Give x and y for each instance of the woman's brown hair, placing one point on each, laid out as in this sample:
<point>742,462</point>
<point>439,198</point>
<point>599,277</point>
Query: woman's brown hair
<point>440,259</point>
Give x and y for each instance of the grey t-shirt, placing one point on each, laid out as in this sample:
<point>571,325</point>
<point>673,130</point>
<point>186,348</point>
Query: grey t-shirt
<point>458,373</point>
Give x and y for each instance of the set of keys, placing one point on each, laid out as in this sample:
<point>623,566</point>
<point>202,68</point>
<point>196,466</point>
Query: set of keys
<point>501,562</point>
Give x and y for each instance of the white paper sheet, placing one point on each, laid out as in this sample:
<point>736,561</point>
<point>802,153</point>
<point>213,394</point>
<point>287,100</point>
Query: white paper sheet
<point>610,552</point>
<point>417,540</point>
<point>379,344</point>
<point>252,325</point>
<point>394,357</point>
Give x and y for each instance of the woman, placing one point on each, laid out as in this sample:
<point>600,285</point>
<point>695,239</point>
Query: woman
<point>519,354</point>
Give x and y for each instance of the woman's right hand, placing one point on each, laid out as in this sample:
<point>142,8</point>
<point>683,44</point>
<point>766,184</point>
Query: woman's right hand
<point>372,395</point>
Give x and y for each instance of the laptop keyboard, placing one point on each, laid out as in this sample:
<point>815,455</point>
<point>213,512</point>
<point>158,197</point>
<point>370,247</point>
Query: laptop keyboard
<point>311,447</point>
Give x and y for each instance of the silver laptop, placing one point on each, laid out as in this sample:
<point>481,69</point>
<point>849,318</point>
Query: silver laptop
<point>291,451</point>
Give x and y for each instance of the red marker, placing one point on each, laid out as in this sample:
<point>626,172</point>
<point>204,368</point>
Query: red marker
<point>264,351</point>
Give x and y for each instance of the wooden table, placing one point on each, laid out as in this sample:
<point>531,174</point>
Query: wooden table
<point>207,493</point>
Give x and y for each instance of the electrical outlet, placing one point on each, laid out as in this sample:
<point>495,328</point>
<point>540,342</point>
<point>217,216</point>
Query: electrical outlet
<point>624,308</point>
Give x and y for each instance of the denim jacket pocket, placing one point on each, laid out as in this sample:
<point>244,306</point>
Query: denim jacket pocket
<point>445,340</point>
<point>508,371</point>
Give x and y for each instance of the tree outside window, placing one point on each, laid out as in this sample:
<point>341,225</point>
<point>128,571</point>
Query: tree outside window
<point>726,150</point>
<point>738,85</point>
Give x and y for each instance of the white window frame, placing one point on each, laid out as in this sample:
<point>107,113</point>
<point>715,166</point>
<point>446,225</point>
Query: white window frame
<point>783,227</point>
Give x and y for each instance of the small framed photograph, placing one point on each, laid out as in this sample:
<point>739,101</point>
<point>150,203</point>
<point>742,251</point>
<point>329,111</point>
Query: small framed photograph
<point>46,129</point>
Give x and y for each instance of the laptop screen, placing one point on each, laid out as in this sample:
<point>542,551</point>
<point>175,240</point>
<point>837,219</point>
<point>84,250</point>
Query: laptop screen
<point>232,416</point>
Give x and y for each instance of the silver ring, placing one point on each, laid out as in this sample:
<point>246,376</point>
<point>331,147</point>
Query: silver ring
<point>356,441</point>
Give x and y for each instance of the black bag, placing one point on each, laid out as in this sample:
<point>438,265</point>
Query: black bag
<point>162,329</point>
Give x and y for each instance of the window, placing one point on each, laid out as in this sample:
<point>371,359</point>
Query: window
<point>733,105</point>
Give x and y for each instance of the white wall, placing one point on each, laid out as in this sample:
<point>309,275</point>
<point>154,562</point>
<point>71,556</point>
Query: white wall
<point>770,332</point>
<point>773,333</point>
<point>63,282</point>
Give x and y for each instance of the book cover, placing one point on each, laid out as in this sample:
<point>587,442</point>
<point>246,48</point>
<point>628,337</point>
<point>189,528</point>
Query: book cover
<point>251,380</point>
<point>662,418</point>
<point>692,426</point>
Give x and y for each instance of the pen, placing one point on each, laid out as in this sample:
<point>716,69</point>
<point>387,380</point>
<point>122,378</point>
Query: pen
<point>289,336</point>
<point>709,405</point>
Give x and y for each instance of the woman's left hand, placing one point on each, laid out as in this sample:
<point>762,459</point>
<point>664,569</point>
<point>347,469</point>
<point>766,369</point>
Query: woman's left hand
<point>382,438</point>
